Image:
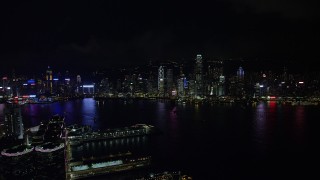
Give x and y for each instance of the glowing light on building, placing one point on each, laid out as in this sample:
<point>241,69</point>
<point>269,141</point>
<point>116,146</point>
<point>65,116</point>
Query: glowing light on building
<point>301,82</point>
<point>31,81</point>
<point>174,93</point>
<point>41,149</point>
<point>55,79</point>
<point>25,151</point>
<point>88,86</point>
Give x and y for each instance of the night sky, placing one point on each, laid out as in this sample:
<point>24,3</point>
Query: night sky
<point>101,34</point>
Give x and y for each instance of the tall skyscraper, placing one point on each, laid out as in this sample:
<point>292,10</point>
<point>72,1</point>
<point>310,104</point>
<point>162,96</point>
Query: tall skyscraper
<point>49,79</point>
<point>240,74</point>
<point>13,121</point>
<point>78,83</point>
<point>199,76</point>
<point>221,86</point>
<point>169,81</point>
<point>161,81</point>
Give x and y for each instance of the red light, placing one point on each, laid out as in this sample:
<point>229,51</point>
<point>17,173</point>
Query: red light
<point>272,97</point>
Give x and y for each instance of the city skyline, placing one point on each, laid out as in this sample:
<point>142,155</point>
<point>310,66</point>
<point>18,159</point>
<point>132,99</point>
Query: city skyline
<point>103,34</point>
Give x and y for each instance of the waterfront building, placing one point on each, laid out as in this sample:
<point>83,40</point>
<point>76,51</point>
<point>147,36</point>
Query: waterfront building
<point>18,161</point>
<point>49,80</point>
<point>161,81</point>
<point>169,82</point>
<point>198,71</point>
<point>13,121</point>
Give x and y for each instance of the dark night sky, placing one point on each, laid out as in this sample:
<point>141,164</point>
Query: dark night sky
<point>98,34</point>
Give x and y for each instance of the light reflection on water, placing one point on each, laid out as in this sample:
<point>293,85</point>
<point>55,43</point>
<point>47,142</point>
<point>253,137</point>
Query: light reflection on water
<point>189,132</point>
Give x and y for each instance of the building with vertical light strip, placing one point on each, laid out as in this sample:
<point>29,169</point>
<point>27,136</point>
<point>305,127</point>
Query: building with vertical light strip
<point>49,79</point>
<point>199,76</point>
<point>161,81</point>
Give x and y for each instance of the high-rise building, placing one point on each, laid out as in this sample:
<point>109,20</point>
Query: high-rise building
<point>161,81</point>
<point>181,86</point>
<point>49,79</point>
<point>13,121</point>
<point>221,86</point>
<point>240,74</point>
<point>169,81</point>
<point>199,76</point>
<point>78,83</point>
<point>214,71</point>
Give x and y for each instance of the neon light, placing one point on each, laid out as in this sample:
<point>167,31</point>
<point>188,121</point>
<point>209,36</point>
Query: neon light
<point>31,81</point>
<point>8,87</point>
<point>41,149</point>
<point>261,86</point>
<point>25,84</point>
<point>300,82</point>
<point>55,79</point>
<point>88,86</point>
<point>25,151</point>
<point>33,84</point>
<point>67,79</point>
<point>32,96</point>
<point>25,96</point>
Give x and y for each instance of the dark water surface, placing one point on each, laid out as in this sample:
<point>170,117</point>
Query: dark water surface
<point>261,141</point>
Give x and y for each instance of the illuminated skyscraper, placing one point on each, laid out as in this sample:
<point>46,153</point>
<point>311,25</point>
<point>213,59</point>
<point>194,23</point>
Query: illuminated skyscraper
<point>78,83</point>
<point>221,86</point>
<point>199,76</point>
<point>78,79</point>
<point>240,74</point>
<point>13,121</point>
<point>161,81</point>
<point>49,79</point>
<point>169,78</point>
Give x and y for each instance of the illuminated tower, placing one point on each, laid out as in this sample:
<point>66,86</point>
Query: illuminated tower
<point>49,79</point>
<point>199,76</point>
<point>161,80</point>
<point>240,74</point>
<point>78,83</point>
<point>221,88</point>
<point>169,81</point>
